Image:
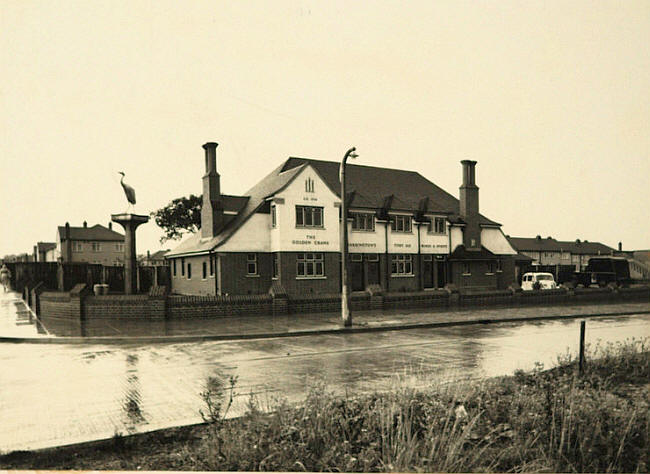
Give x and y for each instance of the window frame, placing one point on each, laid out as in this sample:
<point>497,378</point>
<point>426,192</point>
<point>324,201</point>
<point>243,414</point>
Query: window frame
<point>401,265</point>
<point>251,259</point>
<point>404,219</point>
<point>204,270</point>
<point>434,223</point>
<point>77,246</point>
<point>365,218</point>
<point>308,213</point>
<point>467,269</point>
<point>310,260</point>
<point>96,247</point>
<point>275,263</point>
<point>189,270</point>
<point>174,266</point>
<point>274,216</point>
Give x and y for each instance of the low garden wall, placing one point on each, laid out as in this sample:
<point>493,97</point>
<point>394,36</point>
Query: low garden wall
<point>59,309</point>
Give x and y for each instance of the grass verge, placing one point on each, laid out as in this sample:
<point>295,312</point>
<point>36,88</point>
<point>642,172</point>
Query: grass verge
<point>545,420</point>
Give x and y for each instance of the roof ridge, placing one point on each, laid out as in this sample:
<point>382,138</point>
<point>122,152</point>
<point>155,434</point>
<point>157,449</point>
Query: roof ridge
<point>348,164</point>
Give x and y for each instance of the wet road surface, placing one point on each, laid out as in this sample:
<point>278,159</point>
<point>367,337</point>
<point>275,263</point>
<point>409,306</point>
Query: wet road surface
<point>60,394</point>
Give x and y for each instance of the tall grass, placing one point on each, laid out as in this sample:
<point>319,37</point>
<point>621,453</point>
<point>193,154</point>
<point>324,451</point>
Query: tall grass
<point>545,420</point>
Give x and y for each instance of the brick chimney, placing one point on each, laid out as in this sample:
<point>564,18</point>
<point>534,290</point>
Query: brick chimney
<point>469,207</point>
<point>212,207</point>
<point>68,244</point>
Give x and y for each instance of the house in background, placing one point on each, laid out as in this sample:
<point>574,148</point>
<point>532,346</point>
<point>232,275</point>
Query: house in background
<point>45,252</point>
<point>96,244</point>
<point>405,234</point>
<point>549,251</point>
<point>155,259</point>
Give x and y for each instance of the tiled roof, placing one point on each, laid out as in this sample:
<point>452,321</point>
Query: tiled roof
<point>548,244</point>
<point>45,246</point>
<point>96,232</point>
<point>370,187</point>
<point>160,254</point>
<point>461,253</point>
<point>255,198</point>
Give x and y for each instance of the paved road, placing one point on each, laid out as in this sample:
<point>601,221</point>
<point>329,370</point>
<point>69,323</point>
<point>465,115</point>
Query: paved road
<point>59,394</point>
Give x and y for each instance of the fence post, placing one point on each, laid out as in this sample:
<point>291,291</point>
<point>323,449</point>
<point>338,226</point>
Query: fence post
<point>582,346</point>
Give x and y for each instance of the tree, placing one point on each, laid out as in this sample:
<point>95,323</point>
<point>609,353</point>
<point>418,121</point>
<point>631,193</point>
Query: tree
<point>178,217</point>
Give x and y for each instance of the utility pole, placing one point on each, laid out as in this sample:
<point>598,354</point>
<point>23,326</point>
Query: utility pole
<point>345,294</point>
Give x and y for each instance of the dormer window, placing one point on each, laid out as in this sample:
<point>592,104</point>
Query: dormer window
<point>437,225</point>
<point>400,223</point>
<point>363,221</point>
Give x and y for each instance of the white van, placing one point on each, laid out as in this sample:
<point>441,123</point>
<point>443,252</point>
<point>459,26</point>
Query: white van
<point>546,281</point>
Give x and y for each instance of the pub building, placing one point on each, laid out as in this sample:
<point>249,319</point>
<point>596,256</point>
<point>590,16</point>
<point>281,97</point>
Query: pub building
<point>405,234</point>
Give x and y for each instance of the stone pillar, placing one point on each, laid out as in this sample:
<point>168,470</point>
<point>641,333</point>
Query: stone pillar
<point>130,222</point>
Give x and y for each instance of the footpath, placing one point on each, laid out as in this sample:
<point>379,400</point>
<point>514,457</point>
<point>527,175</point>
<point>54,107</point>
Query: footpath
<point>13,310</point>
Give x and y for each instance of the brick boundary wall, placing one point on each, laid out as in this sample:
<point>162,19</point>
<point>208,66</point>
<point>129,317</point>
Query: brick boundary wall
<point>184,307</point>
<point>78,306</point>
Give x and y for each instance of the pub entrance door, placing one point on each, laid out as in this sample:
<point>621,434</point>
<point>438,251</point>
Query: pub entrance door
<point>356,272</point>
<point>427,271</point>
<point>441,279</point>
<point>372,266</point>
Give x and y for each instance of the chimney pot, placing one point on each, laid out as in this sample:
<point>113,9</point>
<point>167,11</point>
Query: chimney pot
<point>110,226</point>
<point>620,246</point>
<point>85,224</point>
<point>210,157</point>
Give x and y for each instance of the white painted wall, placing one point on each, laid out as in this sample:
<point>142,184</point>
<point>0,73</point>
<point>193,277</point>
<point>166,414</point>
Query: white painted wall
<point>253,236</point>
<point>367,242</point>
<point>496,242</point>
<point>431,243</point>
<point>456,237</point>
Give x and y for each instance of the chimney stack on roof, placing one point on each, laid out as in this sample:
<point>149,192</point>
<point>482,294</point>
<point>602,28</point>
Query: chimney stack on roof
<point>212,207</point>
<point>85,224</point>
<point>110,226</point>
<point>68,244</point>
<point>469,207</point>
<point>620,246</point>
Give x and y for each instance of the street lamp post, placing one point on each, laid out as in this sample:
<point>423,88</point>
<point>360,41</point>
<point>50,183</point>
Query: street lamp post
<point>345,294</point>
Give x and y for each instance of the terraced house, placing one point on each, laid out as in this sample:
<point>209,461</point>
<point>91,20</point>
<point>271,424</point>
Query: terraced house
<point>405,234</point>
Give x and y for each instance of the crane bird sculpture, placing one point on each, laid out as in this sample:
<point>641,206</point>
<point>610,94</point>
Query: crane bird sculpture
<point>129,192</point>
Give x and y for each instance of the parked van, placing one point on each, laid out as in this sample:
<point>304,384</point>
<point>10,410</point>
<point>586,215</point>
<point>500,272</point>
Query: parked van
<point>545,280</point>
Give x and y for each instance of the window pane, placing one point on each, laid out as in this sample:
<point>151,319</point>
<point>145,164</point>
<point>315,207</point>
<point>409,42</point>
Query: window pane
<point>301,268</point>
<point>319,268</point>
<point>310,268</point>
<point>299,216</point>
<point>318,217</point>
<point>310,256</point>
<point>308,217</point>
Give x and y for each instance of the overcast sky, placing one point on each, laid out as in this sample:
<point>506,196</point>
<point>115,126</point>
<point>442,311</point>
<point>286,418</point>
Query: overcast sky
<point>551,98</point>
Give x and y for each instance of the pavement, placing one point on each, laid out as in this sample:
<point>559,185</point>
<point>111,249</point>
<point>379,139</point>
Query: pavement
<point>14,329</point>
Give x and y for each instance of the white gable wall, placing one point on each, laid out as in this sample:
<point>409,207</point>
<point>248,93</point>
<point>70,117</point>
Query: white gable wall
<point>299,193</point>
